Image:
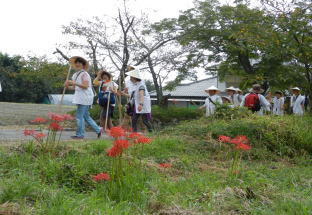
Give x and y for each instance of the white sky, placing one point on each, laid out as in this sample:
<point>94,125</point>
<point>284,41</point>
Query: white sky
<point>35,26</point>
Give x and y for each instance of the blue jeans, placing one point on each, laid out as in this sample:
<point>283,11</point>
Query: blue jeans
<point>82,115</point>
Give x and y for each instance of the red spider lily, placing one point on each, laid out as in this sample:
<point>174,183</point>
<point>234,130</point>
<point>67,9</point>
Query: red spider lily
<point>224,139</point>
<point>116,132</point>
<point>39,120</point>
<point>165,165</point>
<point>243,147</point>
<point>143,140</point>
<point>124,144</point>
<point>54,126</point>
<point>134,135</point>
<point>40,135</point>
<point>56,117</point>
<point>239,139</point>
<point>101,177</point>
<point>68,117</point>
<point>29,132</point>
<point>115,151</point>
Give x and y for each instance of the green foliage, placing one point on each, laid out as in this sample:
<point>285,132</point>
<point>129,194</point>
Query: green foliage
<point>229,113</point>
<point>286,135</point>
<point>197,183</point>
<point>174,114</point>
<point>29,80</point>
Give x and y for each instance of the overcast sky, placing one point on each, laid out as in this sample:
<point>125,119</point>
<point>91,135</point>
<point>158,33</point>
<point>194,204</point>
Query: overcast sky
<point>35,26</point>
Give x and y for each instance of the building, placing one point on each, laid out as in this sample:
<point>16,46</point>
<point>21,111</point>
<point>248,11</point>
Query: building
<point>193,94</point>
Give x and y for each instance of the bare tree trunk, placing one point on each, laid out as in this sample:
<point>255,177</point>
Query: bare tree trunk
<point>94,57</point>
<point>155,80</point>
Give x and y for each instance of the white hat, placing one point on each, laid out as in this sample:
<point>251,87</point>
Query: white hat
<point>231,88</point>
<point>135,74</point>
<point>212,88</point>
<point>296,88</point>
<point>238,90</point>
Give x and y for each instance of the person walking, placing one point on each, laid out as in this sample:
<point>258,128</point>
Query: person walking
<point>107,92</point>
<point>297,102</point>
<point>231,94</point>
<point>140,101</point>
<point>212,100</point>
<point>256,102</point>
<point>83,96</point>
<point>278,104</point>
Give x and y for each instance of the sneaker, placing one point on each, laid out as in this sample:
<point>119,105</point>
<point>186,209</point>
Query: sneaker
<point>77,138</point>
<point>101,132</point>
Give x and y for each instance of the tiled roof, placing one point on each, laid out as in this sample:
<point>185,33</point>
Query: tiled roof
<point>194,89</point>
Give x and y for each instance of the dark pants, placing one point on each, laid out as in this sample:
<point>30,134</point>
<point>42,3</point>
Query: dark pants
<point>146,120</point>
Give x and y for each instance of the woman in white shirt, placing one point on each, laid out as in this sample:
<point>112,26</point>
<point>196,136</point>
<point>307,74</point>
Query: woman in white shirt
<point>212,100</point>
<point>83,97</point>
<point>140,101</point>
<point>278,104</point>
<point>297,102</point>
<point>104,81</point>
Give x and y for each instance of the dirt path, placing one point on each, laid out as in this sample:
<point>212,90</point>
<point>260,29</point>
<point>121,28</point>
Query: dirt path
<point>19,114</point>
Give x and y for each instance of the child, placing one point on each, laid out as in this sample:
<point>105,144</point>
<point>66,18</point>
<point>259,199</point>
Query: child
<point>297,102</point>
<point>278,104</point>
<point>212,100</point>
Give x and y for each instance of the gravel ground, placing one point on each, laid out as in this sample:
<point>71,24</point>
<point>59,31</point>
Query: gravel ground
<point>16,114</point>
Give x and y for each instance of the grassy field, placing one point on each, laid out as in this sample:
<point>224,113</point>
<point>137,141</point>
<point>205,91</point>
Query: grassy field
<point>275,176</point>
<point>15,114</point>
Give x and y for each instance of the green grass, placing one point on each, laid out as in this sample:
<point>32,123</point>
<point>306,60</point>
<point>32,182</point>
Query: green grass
<point>272,180</point>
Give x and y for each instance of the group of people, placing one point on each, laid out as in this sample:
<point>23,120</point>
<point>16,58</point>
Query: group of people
<point>139,102</point>
<point>254,100</point>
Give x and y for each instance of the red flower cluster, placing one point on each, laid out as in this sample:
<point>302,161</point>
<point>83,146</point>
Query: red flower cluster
<point>39,120</point>
<point>56,117</point>
<point>224,139</point>
<point>143,140</point>
<point>117,132</point>
<point>68,117</point>
<point>123,144</point>
<point>40,135</point>
<point>240,142</point>
<point>134,135</point>
<point>29,132</point>
<point>54,126</point>
<point>115,151</point>
<point>101,177</point>
<point>165,165</point>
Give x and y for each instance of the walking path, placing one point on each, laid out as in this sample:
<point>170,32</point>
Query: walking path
<point>14,135</point>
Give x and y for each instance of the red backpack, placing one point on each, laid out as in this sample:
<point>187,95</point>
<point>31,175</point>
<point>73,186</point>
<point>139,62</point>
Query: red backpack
<point>252,102</point>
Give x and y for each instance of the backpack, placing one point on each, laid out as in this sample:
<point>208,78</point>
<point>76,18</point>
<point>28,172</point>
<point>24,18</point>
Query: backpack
<point>103,97</point>
<point>252,102</point>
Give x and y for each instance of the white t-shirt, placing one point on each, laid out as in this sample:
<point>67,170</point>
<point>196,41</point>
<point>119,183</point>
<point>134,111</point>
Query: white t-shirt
<point>278,105</point>
<point>296,104</point>
<point>83,96</point>
<point>210,107</point>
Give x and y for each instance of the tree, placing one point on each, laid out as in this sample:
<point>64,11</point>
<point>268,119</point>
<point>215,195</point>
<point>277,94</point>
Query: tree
<point>29,80</point>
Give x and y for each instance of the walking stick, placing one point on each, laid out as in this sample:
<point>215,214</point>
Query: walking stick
<point>64,90</point>
<point>106,117</point>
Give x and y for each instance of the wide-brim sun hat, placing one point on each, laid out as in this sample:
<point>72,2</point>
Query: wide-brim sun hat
<point>73,59</point>
<point>212,88</point>
<point>231,88</point>
<point>104,72</point>
<point>238,90</point>
<point>135,74</point>
<point>295,88</point>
